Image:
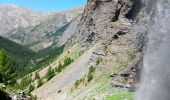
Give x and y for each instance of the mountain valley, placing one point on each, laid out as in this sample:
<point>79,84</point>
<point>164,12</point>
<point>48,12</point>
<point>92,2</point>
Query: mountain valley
<point>94,52</point>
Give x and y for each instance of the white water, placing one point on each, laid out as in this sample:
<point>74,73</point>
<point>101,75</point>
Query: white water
<point>155,81</point>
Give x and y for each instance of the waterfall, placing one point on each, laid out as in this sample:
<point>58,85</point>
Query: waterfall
<point>155,78</point>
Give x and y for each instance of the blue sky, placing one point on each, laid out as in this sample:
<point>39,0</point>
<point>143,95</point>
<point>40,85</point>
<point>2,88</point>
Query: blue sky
<point>46,5</point>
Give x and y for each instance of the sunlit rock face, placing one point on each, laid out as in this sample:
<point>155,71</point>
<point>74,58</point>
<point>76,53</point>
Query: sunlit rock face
<point>97,21</point>
<point>156,73</point>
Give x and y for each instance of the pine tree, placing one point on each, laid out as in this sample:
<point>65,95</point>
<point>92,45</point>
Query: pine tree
<point>6,67</point>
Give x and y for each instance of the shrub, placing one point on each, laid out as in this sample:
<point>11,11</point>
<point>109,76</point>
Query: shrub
<point>67,61</point>
<point>50,73</point>
<point>39,83</point>
<point>90,73</point>
<point>91,69</point>
<point>98,61</point>
<point>78,82</point>
<point>58,69</point>
<point>37,76</point>
<point>31,88</point>
<point>25,81</point>
<point>89,77</point>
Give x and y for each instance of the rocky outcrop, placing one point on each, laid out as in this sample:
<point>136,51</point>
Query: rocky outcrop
<point>98,20</point>
<point>112,22</point>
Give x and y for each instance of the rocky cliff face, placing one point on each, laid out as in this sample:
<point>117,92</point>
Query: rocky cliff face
<point>111,23</point>
<point>100,18</point>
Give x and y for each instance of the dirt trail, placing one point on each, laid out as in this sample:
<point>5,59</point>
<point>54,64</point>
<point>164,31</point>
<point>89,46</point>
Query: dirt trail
<point>64,79</point>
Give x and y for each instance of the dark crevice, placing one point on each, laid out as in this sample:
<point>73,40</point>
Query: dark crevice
<point>136,7</point>
<point>120,33</point>
<point>115,37</point>
<point>116,17</point>
<point>117,13</point>
<point>97,3</point>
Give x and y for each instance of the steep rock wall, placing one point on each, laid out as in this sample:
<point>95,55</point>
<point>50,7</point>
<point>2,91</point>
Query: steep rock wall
<point>112,22</point>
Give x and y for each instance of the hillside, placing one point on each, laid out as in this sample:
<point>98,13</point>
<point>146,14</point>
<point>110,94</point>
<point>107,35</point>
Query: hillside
<point>13,16</point>
<point>97,54</point>
<point>26,59</point>
<point>34,29</point>
<point>106,29</point>
<point>20,54</point>
<point>16,50</point>
<point>40,36</point>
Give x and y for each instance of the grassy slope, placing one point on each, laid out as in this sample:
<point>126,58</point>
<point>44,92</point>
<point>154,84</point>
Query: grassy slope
<point>122,96</point>
<point>100,86</point>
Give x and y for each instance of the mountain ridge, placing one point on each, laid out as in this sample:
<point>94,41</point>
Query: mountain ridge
<point>31,27</point>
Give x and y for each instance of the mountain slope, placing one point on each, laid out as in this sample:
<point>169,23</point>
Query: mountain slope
<point>16,50</point>
<point>63,80</point>
<point>28,60</point>
<point>108,23</point>
<point>40,34</point>
<point>20,54</point>
<point>13,16</point>
<point>34,29</point>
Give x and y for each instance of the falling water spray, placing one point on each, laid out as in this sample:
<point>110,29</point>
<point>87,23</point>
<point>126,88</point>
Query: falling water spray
<point>155,78</point>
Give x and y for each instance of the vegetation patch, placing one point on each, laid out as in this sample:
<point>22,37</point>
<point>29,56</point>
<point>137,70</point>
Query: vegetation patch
<point>67,61</point>
<point>47,55</point>
<point>39,82</point>
<point>50,74</point>
<point>98,61</point>
<point>90,73</point>
<point>78,82</point>
<point>24,83</point>
<point>7,64</point>
<point>26,60</point>
<point>122,96</point>
<point>37,76</point>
